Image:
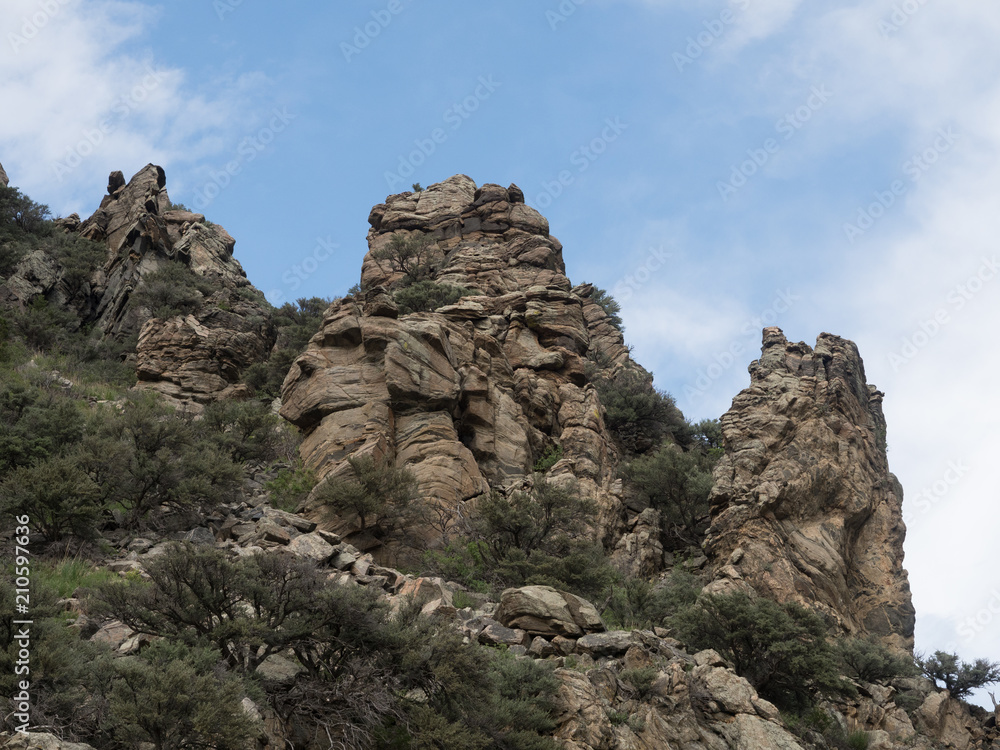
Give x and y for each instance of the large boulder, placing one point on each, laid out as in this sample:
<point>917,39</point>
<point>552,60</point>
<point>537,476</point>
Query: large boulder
<point>542,610</point>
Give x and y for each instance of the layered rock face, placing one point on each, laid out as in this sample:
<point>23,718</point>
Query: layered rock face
<point>471,395</point>
<point>191,359</point>
<point>804,507</point>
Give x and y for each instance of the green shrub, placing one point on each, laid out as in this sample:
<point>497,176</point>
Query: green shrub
<point>637,603</point>
<point>246,430</point>
<point>610,306</point>
<point>552,455</point>
<point>290,487</point>
<point>537,537</point>
<point>19,212</point>
<point>866,659</point>
<point>858,740</point>
<point>379,499</point>
<point>677,484</point>
<point>638,415</point>
<point>172,289</point>
<point>412,255</point>
<point>170,695</point>
<point>57,495</point>
<point>780,649</point>
<point>960,678</point>
<point>427,296</point>
<point>295,324</point>
<point>641,679</point>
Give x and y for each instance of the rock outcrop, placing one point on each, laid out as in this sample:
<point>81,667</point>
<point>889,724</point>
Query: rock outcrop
<point>191,359</point>
<point>3,177</point>
<point>804,507</point>
<point>468,396</point>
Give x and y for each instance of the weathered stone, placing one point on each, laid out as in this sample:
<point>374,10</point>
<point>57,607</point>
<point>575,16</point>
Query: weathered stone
<point>804,490</point>
<point>311,546</point>
<point>542,610</point>
<point>4,180</point>
<point>600,645</point>
<point>748,732</point>
<point>270,533</point>
<point>541,648</point>
<point>495,634</point>
<point>200,536</point>
<point>113,633</point>
<point>424,590</point>
<point>466,397</point>
<point>733,694</point>
<point>277,668</point>
<point>946,720</point>
<point>38,741</point>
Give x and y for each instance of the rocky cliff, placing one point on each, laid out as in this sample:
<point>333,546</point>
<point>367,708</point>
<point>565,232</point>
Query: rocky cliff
<point>470,395</point>
<point>804,507</point>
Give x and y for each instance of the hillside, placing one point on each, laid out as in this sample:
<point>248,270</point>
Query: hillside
<point>447,510</point>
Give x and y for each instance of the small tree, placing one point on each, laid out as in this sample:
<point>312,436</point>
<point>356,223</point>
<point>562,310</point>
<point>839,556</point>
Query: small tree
<point>172,289</point>
<point>677,484</point>
<point>610,306</point>
<point>638,415</point>
<point>413,256</point>
<point>780,649</point>
<point>58,497</point>
<point>868,660</point>
<point>18,210</point>
<point>960,678</point>
<point>380,498</point>
<point>170,697</point>
<point>427,296</point>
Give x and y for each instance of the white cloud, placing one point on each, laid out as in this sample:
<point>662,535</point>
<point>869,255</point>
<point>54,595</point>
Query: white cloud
<point>80,102</point>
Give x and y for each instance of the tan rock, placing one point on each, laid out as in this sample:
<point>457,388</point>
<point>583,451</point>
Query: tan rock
<point>38,741</point>
<point>542,610</point>
<point>947,720</point>
<point>804,491</point>
<point>469,396</point>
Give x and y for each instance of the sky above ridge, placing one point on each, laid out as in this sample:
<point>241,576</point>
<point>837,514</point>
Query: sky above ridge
<point>717,166</point>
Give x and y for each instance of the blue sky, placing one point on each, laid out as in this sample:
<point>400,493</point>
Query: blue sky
<point>718,166</point>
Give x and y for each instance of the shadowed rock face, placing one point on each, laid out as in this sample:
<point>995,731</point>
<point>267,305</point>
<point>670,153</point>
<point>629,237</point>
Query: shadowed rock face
<point>470,395</point>
<point>191,359</point>
<point>804,507</point>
